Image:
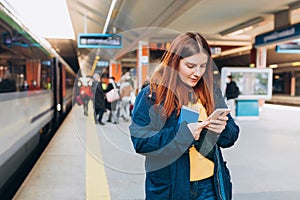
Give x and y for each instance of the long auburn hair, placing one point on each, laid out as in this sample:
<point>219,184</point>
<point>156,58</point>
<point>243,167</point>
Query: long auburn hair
<point>170,91</point>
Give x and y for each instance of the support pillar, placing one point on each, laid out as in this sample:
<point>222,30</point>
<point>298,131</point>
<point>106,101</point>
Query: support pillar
<point>142,62</point>
<point>115,70</point>
<point>293,85</point>
<point>261,57</point>
<point>261,62</point>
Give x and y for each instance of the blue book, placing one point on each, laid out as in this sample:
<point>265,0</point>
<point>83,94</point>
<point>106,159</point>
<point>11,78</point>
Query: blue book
<point>188,114</point>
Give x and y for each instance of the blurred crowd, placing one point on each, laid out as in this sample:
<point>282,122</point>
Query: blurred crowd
<point>97,88</point>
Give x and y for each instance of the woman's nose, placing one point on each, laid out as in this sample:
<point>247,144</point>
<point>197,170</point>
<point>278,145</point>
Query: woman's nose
<point>197,71</point>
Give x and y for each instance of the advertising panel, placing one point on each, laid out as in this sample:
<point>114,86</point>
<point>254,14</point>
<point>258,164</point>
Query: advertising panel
<point>253,83</point>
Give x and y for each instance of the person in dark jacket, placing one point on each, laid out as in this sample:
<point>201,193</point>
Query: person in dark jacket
<point>183,160</point>
<point>99,100</point>
<point>7,84</point>
<point>231,93</point>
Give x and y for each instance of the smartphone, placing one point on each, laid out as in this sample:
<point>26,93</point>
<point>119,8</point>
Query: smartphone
<point>218,112</point>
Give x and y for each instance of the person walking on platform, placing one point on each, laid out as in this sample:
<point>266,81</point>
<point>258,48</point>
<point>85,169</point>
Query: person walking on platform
<point>111,106</point>
<point>231,93</point>
<point>99,100</point>
<point>85,92</point>
<point>183,160</point>
<point>125,92</point>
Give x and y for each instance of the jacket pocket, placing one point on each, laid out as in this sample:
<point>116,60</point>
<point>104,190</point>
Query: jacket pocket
<point>158,185</point>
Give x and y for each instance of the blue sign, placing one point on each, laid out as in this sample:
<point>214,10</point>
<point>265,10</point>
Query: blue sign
<point>102,63</point>
<point>280,35</point>
<point>93,40</point>
<point>288,48</point>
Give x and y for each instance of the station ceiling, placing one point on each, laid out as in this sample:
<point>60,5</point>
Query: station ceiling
<point>212,18</point>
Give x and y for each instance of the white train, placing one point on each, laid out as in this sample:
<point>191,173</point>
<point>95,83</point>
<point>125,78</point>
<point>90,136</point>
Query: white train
<point>36,87</point>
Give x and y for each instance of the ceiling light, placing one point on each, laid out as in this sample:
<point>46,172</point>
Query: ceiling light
<point>240,31</point>
<point>112,6</point>
<point>295,64</point>
<point>242,27</point>
<point>252,65</point>
<point>294,6</point>
<point>273,66</point>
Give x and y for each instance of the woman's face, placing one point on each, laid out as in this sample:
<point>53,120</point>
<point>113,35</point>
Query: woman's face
<point>192,68</point>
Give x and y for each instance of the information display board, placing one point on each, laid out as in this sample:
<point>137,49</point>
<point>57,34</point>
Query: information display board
<point>253,83</point>
<point>93,40</point>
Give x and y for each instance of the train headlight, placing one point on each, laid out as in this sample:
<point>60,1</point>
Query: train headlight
<point>79,83</point>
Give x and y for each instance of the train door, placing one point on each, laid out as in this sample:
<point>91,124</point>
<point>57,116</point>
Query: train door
<point>57,91</point>
<point>297,75</point>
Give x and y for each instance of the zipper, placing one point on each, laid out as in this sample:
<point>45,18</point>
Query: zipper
<point>219,184</point>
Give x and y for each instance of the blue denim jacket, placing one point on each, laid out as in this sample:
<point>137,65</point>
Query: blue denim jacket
<point>165,145</point>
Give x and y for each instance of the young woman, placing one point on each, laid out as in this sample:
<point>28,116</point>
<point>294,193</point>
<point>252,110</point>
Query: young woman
<point>183,160</point>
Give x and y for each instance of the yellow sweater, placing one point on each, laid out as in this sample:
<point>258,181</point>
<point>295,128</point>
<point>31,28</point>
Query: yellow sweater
<point>200,167</point>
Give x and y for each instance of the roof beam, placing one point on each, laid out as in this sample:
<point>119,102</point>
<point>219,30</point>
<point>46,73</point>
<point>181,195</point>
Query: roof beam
<point>172,12</point>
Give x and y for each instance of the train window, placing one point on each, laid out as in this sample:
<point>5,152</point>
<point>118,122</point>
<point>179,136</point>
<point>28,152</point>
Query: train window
<point>21,68</point>
<point>46,75</point>
<point>25,63</point>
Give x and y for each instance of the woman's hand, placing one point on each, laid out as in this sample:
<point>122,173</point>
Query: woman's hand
<point>196,128</point>
<point>217,125</point>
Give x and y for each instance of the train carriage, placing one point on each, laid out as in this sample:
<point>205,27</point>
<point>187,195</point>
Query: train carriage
<point>36,87</point>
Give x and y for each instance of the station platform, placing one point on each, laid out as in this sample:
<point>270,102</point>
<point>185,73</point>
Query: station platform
<point>89,161</point>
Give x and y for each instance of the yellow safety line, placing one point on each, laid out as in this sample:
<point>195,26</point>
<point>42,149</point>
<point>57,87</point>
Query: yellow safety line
<point>96,180</point>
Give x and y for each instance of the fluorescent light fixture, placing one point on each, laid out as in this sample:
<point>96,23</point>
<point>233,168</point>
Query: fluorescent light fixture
<point>294,64</point>
<point>240,31</point>
<point>50,19</point>
<point>233,51</point>
<point>273,66</point>
<point>294,6</point>
<point>242,27</point>
<point>112,6</point>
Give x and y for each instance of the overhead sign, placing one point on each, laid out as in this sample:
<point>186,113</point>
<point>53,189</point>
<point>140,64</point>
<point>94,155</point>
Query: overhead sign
<point>93,40</point>
<point>288,48</point>
<point>102,63</point>
<point>277,36</point>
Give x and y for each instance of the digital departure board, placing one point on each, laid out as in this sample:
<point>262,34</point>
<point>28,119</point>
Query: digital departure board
<point>91,40</point>
<point>288,48</point>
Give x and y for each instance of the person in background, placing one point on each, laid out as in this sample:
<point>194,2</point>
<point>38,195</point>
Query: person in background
<point>231,93</point>
<point>34,85</point>
<point>128,78</point>
<point>8,84</point>
<point>111,106</point>
<point>85,92</point>
<point>25,86</point>
<point>183,160</point>
<point>99,100</point>
<point>125,92</point>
